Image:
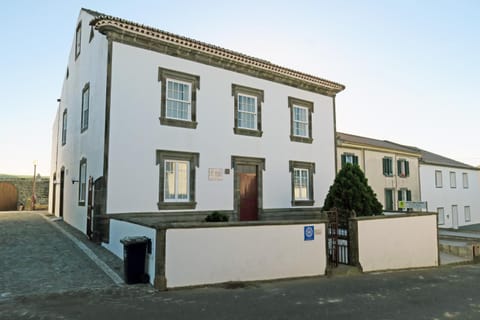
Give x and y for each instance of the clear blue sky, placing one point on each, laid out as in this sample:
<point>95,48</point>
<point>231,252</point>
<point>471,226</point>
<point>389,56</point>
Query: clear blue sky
<point>411,68</point>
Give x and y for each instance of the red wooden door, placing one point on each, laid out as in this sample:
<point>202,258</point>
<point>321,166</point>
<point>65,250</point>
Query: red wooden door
<point>248,196</point>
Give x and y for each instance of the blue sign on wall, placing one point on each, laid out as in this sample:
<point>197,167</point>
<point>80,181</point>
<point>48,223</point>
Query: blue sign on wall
<point>308,233</point>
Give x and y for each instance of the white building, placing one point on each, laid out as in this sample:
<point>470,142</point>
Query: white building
<point>451,188</point>
<point>163,124</point>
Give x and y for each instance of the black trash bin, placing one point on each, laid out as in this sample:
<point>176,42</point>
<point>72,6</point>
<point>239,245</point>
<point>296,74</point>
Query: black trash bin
<point>134,254</point>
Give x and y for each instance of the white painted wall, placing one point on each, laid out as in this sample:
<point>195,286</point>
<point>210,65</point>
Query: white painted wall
<point>136,134</point>
<point>398,243</point>
<point>120,230</point>
<point>446,196</point>
<point>89,66</point>
<point>215,255</point>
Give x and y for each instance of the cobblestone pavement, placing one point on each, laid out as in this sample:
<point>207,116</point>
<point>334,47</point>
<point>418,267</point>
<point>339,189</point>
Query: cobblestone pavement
<point>36,258</point>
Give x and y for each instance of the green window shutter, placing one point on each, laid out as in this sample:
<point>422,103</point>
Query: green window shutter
<point>400,195</point>
<point>409,195</point>
<point>399,167</point>
<point>355,160</point>
<point>407,168</point>
<point>344,160</point>
<point>385,166</point>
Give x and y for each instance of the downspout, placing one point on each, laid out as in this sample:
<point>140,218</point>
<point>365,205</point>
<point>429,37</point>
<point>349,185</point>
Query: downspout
<point>335,135</point>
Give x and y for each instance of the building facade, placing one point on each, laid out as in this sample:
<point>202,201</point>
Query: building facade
<point>392,170</point>
<point>154,123</point>
<point>451,188</point>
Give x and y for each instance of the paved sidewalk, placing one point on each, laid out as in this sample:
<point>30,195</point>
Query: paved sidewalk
<point>37,258</point>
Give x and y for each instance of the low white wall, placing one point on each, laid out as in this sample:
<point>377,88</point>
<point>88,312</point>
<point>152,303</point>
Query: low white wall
<point>120,230</point>
<point>247,253</point>
<point>407,241</point>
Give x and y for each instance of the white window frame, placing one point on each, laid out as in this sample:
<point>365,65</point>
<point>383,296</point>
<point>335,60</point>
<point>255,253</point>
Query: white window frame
<point>467,214</point>
<point>305,123</point>
<point>64,127</point>
<point>176,199</point>
<point>441,215</point>
<point>85,107</point>
<point>299,187</point>
<point>78,39</point>
<point>465,180</point>
<point>188,101</point>
<point>438,179</point>
<point>255,114</point>
<point>453,179</point>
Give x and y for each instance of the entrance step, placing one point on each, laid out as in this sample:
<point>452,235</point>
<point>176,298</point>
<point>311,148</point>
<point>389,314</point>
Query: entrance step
<point>343,270</point>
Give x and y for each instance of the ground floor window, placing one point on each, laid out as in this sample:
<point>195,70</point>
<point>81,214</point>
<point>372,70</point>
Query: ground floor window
<point>177,179</point>
<point>388,199</point>
<point>441,215</point>
<point>82,182</point>
<point>302,182</point>
<point>468,218</point>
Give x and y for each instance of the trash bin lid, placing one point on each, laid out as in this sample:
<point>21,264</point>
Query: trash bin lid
<point>134,240</point>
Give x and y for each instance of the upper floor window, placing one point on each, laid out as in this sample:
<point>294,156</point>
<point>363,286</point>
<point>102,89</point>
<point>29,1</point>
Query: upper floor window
<point>82,182</point>
<point>177,179</point>
<point>465,180</point>
<point>453,180</point>
<point>302,182</point>
<point>300,120</point>
<point>349,158</point>
<point>85,107</point>
<point>64,127</point>
<point>78,39</point>
<point>403,168</point>
<point>248,110</point>
<point>438,179</point>
<point>388,166</point>
<point>178,100</point>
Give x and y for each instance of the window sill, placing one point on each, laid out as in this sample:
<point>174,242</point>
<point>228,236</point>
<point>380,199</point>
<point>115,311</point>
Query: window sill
<point>247,132</point>
<point>301,139</point>
<point>305,203</point>
<point>176,205</point>
<point>178,123</point>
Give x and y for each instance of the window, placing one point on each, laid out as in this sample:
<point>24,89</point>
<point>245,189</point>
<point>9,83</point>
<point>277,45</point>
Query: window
<point>302,182</point>
<point>465,180</point>
<point>453,180</point>
<point>388,199</point>
<point>85,107</point>
<point>177,179</point>
<point>466,210</point>
<point>78,40</point>
<point>82,182</point>
<point>91,34</point>
<point>349,158</point>
<point>248,110</point>
<point>438,179</point>
<point>403,168</point>
<point>64,127</point>
<point>178,100</point>
<point>404,195</point>
<point>387,166</point>
<point>300,120</point>
<point>441,215</point>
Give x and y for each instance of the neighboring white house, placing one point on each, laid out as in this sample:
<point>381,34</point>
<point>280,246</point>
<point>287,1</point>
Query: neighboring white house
<point>162,123</point>
<point>451,188</point>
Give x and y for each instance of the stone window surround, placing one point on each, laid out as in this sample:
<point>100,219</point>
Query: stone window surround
<point>64,127</point>
<point>194,161</point>
<point>194,80</point>
<point>389,169</point>
<point>465,180</point>
<point>81,202</point>
<point>78,40</point>
<point>258,93</point>
<point>310,166</point>
<point>453,180</point>
<point>305,104</point>
<point>438,179</point>
<point>83,127</point>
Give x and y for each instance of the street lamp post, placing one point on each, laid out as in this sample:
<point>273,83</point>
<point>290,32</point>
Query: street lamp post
<point>34,197</point>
